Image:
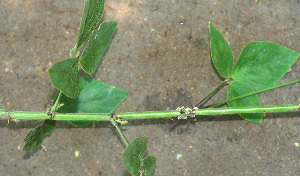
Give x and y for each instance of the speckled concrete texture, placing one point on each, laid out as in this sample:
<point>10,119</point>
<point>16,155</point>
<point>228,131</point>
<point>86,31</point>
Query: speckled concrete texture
<point>160,54</point>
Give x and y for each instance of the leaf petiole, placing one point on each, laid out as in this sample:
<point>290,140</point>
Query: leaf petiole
<point>112,120</point>
<point>55,104</point>
<point>212,92</point>
<point>252,93</point>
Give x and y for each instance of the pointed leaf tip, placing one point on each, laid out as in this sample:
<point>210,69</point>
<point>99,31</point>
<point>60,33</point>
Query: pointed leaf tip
<point>263,64</point>
<point>91,16</point>
<point>221,53</point>
<point>35,137</point>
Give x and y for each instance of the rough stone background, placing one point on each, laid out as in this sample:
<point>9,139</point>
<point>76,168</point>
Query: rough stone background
<point>160,54</point>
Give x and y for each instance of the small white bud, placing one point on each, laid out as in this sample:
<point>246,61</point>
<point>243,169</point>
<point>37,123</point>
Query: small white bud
<point>187,109</point>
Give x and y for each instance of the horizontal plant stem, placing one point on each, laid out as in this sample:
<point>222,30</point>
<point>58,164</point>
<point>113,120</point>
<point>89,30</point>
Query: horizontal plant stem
<point>252,93</point>
<point>144,115</point>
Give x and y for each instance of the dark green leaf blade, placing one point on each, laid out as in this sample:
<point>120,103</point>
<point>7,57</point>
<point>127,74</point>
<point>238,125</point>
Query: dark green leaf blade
<point>263,64</point>
<point>91,16</point>
<point>237,88</point>
<point>94,97</point>
<point>64,76</point>
<point>149,165</point>
<point>35,137</point>
<point>221,53</point>
<point>96,46</point>
<point>132,155</point>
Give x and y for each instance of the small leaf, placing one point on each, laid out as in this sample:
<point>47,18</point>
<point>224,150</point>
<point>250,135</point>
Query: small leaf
<point>221,53</point>
<point>91,16</point>
<point>35,137</point>
<point>132,156</point>
<point>96,46</point>
<point>149,165</point>
<point>237,88</point>
<point>263,64</point>
<point>65,76</point>
<point>94,97</point>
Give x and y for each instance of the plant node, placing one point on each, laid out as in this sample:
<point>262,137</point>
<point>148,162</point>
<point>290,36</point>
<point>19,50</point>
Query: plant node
<point>51,115</point>
<point>119,119</point>
<point>11,118</point>
<point>190,111</point>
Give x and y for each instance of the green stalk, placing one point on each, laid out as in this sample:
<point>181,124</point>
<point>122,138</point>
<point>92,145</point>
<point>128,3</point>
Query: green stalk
<point>72,50</point>
<point>119,130</point>
<point>208,95</point>
<point>144,115</point>
<point>251,93</point>
<point>54,107</point>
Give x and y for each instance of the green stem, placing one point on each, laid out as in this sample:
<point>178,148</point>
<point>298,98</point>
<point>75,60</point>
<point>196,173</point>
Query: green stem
<point>72,50</point>
<point>144,115</point>
<point>251,93</point>
<point>208,95</point>
<point>54,107</point>
<point>119,130</point>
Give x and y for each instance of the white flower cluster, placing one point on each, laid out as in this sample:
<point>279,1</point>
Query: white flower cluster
<point>189,111</point>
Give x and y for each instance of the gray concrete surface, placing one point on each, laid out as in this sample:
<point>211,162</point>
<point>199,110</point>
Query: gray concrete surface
<point>160,54</point>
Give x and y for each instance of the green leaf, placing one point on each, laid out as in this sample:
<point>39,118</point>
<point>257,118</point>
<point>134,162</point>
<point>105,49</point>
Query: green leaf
<point>65,76</point>
<point>132,156</point>
<point>96,46</point>
<point>149,165</point>
<point>91,16</point>
<point>263,64</point>
<point>221,53</point>
<point>94,97</point>
<point>237,88</point>
<point>35,137</point>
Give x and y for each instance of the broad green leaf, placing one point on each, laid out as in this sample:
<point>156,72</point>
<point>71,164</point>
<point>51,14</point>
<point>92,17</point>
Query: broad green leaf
<point>132,156</point>
<point>94,97</point>
<point>237,88</point>
<point>65,76</point>
<point>91,16</point>
<point>149,165</point>
<point>96,46</point>
<point>221,53</point>
<point>263,64</point>
<point>35,137</point>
